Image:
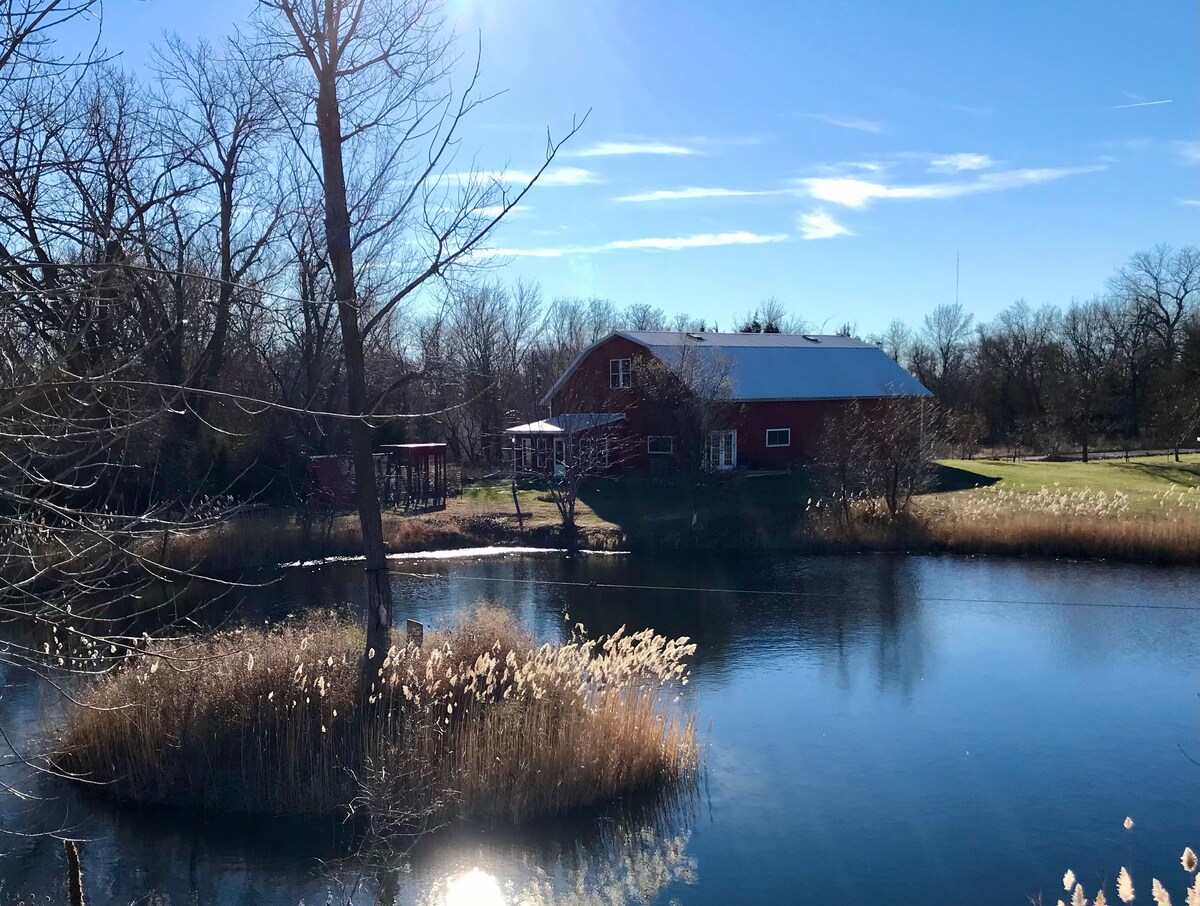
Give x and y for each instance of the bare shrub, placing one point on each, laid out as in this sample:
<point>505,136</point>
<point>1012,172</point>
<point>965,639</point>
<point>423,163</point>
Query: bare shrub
<point>878,455</point>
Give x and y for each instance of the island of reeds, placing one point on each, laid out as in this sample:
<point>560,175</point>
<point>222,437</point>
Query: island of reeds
<point>477,722</point>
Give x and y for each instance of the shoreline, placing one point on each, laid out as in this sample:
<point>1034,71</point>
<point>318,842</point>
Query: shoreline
<point>1053,539</point>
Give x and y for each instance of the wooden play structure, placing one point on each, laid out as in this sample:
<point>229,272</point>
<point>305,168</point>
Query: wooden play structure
<point>409,476</point>
<point>413,476</point>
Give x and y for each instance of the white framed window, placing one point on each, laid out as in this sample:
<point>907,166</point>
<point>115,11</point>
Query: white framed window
<point>779,437</point>
<point>660,444</point>
<point>620,373</point>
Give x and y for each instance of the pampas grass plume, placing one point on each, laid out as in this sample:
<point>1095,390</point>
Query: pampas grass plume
<point>1125,883</point>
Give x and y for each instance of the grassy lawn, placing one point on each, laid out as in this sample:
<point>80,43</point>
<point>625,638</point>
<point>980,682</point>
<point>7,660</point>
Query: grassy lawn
<point>1141,478</point>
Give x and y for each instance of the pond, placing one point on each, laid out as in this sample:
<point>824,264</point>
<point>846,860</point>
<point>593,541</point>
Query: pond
<point>880,729</point>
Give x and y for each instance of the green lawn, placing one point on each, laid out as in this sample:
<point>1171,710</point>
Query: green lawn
<point>1141,478</point>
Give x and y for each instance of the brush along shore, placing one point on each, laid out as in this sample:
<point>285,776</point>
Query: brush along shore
<point>1146,511</point>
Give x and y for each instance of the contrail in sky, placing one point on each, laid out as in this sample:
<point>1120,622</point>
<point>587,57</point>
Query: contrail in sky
<point>1140,104</point>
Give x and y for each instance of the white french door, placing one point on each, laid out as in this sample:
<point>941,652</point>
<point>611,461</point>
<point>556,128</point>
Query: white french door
<point>722,450</point>
<point>560,457</point>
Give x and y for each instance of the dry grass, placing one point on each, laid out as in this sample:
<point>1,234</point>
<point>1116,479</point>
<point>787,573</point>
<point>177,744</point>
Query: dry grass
<point>280,536</point>
<point>1054,522</point>
<point>477,723</point>
<point>1070,523</point>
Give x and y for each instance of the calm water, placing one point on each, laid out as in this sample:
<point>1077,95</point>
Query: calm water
<point>908,730</point>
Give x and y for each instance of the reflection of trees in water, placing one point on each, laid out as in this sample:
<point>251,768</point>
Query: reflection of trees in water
<point>858,614</point>
<point>855,613</point>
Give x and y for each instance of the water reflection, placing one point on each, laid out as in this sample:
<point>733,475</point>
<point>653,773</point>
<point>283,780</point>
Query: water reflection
<point>475,888</point>
<point>919,708</point>
<point>621,859</point>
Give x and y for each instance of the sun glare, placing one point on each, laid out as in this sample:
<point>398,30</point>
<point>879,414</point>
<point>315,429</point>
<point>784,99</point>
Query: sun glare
<point>475,888</point>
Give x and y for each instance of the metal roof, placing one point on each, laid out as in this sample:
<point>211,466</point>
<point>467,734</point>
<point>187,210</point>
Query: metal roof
<point>757,367</point>
<point>570,423</point>
<point>748,340</point>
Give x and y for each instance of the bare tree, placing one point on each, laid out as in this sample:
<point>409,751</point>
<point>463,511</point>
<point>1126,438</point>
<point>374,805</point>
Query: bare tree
<point>643,316</point>
<point>475,353</point>
<point>26,34</point>
<point>1164,285</point>
<point>222,121</point>
<point>879,453</point>
<point>1087,358</point>
<point>896,341</point>
<point>692,388</point>
<point>771,316</point>
<point>685,323</point>
<point>375,71</point>
<point>946,333</point>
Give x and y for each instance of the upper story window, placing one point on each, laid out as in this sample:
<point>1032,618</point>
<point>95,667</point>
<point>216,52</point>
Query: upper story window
<point>620,373</point>
<point>779,437</point>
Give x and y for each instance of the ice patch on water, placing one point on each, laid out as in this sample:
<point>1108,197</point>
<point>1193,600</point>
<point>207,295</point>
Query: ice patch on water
<point>458,553</point>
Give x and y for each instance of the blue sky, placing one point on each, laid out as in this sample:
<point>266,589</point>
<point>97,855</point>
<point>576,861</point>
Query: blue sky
<point>836,156</point>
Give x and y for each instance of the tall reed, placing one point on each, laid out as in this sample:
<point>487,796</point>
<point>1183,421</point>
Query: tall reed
<point>476,723</point>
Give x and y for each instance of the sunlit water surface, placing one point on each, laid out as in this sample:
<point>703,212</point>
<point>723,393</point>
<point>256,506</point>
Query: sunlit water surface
<point>880,729</point>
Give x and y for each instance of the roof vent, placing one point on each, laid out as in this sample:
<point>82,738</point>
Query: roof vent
<point>696,336</point>
<point>811,338</point>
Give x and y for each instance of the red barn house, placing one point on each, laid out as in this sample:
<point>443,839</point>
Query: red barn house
<point>768,396</point>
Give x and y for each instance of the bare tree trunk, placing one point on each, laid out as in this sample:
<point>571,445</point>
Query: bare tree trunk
<point>341,260</point>
<point>74,874</point>
<point>517,504</point>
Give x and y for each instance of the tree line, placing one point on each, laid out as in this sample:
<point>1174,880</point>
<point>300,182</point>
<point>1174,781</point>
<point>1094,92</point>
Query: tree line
<point>172,230</point>
<point>1121,368</point>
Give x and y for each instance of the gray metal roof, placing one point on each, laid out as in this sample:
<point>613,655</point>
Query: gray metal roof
<point>758,367</point>
<point>570,423</point>
<point>748,340</point>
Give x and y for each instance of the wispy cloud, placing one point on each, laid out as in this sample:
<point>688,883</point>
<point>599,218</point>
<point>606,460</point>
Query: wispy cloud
<point>699,240</point>
<point>1142,104</point>
<point>819,225</point>
<point>736,141</point>
<point>690,192</point>
<point>554,176</point>
<point>667,243</point>
<point>1192,202</point>
<point>858,124</point>
<point>958,163</point>
<point>853,192</point>
<point>495,210</point>
<point>524,253</point>
<point>1189,151</point>
<point>620,149</point>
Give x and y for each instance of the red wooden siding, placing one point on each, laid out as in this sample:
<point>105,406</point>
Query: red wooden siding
<point>588,390</point>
